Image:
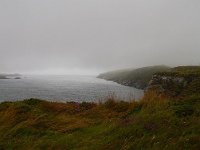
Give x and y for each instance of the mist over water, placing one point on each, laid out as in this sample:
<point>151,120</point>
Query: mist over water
<point>64,88</point>
<point>86,36</point>
<point>90,37</point>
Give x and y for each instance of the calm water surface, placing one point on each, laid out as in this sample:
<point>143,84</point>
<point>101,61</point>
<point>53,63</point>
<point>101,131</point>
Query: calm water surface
<point>64,88</point>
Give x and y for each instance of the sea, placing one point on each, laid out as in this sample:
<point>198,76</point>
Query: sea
<point>64,88</point>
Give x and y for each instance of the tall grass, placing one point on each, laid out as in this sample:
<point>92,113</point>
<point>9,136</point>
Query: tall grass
<point>151,123</point>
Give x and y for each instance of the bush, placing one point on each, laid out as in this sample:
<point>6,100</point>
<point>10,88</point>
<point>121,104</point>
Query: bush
<point>87,106</point>
<point>185,107</point>
<point>32,101</point>
<point>120,106</point>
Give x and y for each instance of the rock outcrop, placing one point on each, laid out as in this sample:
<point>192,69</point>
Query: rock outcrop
<point>175,83</point>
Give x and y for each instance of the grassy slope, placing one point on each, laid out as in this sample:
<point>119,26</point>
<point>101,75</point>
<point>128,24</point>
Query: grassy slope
<point>151,123</point>
<point>135,77</point>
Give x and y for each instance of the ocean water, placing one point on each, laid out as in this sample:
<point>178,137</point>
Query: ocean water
<point>65,88</point>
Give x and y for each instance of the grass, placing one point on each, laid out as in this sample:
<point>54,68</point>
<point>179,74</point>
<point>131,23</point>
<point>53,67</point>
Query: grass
<point>152,123</point>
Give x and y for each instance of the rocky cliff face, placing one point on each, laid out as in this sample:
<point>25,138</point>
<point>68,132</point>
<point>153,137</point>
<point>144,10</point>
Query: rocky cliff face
<point>136,84</point>
<point>174,84</point>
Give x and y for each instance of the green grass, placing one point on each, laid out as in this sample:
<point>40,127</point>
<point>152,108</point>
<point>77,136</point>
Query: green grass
<point>152,123</point>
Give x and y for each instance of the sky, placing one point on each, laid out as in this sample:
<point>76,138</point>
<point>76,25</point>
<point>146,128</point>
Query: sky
<point>93,36</point>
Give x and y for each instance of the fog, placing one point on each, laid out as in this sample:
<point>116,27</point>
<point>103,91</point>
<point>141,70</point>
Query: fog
<point>93,36</point>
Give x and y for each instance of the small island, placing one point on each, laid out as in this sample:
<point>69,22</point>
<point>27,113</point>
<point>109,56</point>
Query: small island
<point>3,77</point>
<point>10,76</point>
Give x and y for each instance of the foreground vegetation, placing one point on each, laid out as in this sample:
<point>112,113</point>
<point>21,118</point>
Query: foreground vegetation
<point>151,123</point>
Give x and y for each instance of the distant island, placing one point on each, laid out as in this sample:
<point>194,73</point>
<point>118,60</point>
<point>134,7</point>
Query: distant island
<point>3,77</point>
<point>10,76</point>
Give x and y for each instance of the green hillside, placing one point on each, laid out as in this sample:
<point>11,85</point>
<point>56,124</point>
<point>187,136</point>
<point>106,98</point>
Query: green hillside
<point>138,78</point>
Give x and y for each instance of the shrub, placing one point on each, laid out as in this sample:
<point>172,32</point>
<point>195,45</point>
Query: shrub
<point>184,107</point>
<point>119,106</point>
<point>22,108</point>
<point>32,101</point>
<point>87,105</point>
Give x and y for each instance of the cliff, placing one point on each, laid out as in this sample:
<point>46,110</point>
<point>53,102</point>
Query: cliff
<point>180,81</point>
<point>138,78</point>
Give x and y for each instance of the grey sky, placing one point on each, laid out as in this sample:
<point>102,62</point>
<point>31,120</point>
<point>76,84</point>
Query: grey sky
<point>89,36</point>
